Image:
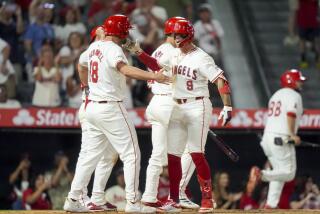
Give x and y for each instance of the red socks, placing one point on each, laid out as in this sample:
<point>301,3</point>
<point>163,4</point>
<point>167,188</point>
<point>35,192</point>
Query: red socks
<point>202,166</point>
<point>175,174</point>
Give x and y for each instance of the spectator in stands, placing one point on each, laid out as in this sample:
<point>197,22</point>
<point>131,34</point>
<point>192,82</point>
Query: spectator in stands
<point>149,17</point>
<point>4,101</point>
<point>306,195</point>
<point>146,32</point>
<point>72,23</point>
<point>208,33</point>
<point>7,72</point>
<point>74,93</point>
<point>38,32</point>
<point>68,56</point>
<point>36,196</point>
<point>116,194</point>
<point>308,26</point>
<point>48,78</point>
<point>19,180</point>
<point>292,37</point>
<point>61,179</point>
<point>98,11</point>
<point>224,198</point>
<point>47,7</point>
<point>123,7</point>
<point>11,27</point>
<point>177,8</point>
<point>164,185</point>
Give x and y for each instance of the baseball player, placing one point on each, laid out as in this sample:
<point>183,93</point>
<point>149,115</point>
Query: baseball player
<point>105,113</point>
<point>189,122</point>
<point>284,113</point>
<point>106,163</point>
<point>158,114</point>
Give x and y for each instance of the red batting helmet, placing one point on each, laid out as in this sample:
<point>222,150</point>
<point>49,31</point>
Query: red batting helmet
<point>290,77</point>
<point>117,25</point>
<point>185,28</point>
<point>169,24</point>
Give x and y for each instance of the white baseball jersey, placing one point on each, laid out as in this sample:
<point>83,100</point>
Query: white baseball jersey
<point>192,72</point>
<point>284,101</point>
<point>106,83</point>
<point>83,61</point>
<point>163,54</point>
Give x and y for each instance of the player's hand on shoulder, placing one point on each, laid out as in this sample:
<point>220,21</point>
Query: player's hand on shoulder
<point>225,115</point>
<point>161,78</point>
<point>296,139</point>
<point>132,47</point>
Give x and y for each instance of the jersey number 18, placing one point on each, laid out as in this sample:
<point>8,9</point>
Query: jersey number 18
<point>94,71</point>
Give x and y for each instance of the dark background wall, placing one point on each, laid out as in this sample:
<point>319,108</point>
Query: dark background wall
<point>43,144</point>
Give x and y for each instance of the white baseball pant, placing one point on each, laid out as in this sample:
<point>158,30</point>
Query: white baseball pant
<point>103,168</point>
<point>109,121</point>
<point>189,121</point>
<point>158,114</point>
<point>283,161</point>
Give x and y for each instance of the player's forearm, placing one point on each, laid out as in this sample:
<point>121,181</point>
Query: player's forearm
<point>291,124</point>
<point>148,61</point>
<point>136,73</point>
<point>83,74</point>
<point>224,91</point>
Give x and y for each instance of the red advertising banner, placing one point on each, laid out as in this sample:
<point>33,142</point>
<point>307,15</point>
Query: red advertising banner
<point>68,118</point>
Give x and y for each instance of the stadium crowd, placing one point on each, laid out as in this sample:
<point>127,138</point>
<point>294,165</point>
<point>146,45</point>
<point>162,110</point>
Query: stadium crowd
<point>36,190</point>
<point>41,41</point>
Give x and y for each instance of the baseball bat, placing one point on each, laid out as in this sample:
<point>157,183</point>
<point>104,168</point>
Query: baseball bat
<point>306,144</point>
<point>224,147</point>
<point>303,143</point>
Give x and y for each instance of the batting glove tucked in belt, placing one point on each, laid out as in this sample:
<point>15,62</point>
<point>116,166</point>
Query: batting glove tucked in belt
<point>225,115</point>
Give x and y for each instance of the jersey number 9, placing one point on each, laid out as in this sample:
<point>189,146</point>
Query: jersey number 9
<point>189,85</point>
<point>94,71</point>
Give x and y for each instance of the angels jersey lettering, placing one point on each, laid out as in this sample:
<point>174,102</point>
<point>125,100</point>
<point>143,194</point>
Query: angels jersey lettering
<point>106,83</point>
<point>192,72</point>
<point>163,54</point>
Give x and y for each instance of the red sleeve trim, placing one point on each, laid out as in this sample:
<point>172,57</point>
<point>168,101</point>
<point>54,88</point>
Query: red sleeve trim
<point>118,64</point>
<point>291,114</point>
<point>149,61</point>
<point>218,76</point>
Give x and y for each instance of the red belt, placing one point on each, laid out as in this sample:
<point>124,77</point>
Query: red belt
<point>182,101</point>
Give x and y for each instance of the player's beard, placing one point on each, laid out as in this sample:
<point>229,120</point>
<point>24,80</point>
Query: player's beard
<point>123,41</point>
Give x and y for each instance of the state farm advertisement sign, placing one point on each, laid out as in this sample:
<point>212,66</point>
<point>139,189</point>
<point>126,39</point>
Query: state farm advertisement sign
<point>68,118</point>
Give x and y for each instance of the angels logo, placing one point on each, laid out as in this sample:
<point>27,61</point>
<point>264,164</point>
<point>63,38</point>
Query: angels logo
<point>23,118</point>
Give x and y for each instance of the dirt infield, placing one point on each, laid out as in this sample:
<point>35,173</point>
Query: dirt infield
<point>184,212</point>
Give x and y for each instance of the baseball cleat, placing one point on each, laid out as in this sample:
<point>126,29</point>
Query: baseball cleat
<point>133,207</point>
<point>185,203</point>
<point>170,207</point>
<point>207,206</point>
<point>105,207</point>
<point>71,205</point>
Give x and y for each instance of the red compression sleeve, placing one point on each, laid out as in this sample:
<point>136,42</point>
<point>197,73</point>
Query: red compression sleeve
<point>149,61</point>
